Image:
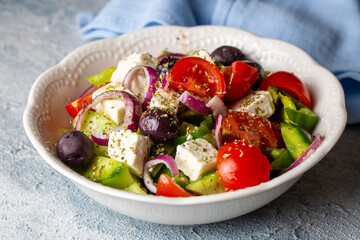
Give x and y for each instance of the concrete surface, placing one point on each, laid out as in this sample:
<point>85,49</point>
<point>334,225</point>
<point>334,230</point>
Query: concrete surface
<point>36,202</point>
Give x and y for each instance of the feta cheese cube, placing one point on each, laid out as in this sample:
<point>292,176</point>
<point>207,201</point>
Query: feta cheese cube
<point>258,102</point>
<point>130,147</point>
<point>204,55</point>
<point>113,109</point>
<point>166,100</point>
<point>196,158</point>
<point>129,62</point>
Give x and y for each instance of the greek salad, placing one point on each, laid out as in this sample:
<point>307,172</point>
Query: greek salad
<point>181,125</point>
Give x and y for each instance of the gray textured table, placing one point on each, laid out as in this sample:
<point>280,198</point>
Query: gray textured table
<point>36,202</point>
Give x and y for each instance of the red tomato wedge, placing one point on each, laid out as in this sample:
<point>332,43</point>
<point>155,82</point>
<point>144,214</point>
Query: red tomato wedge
<point>289,83</point>
<point>168,188</point>
<point>241,165</point>
<point>239,77</point>
<point>74,107</point>
<point>246,126</point>
<point>198,76</point>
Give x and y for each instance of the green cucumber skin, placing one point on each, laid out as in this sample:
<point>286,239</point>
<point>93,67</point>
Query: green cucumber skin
<point>295,139</point>
<point>281,158</point>
<point>208,184</point>
<point>120,178</point>
<point>135,188</point>
<point>101,150</point>
<point>181,179</point>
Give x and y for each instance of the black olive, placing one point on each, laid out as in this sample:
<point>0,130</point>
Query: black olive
<point>165,65</point>
<point>159,125</point>
<point>226,55</point>
<point>75,149</point>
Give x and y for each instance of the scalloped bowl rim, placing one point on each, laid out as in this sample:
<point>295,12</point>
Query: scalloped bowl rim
<point>297,172</point>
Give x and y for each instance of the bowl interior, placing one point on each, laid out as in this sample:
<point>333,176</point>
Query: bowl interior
<point>45,114</point>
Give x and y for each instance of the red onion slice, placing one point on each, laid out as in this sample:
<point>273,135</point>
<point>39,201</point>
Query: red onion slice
<point>217,131</point>
<point>150,85</point>
<point>311,149</point>
<point>132,109</point>
<point>88,91</point>
<point>194,103</point>
<point>217,106</point>
<point>177,55</point>
<point>149,165</point>
<point>100,138</point>
<point>165,82</point>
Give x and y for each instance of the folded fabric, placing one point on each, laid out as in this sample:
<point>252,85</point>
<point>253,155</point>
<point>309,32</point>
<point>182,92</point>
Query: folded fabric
<point>329,30</point>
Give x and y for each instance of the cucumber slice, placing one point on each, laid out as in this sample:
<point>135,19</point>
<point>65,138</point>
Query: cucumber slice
<point>100,168</point>
<point>112,173</point>
<point>209,184</point>
<point>94,121</point>
<point>100,150</point>
<point>281,158</point>
<point>120,178</point>
<point>135,188</point>
<point>109,172</point>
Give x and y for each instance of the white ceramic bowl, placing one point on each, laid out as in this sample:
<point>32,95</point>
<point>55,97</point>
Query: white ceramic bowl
<point>45,115</point>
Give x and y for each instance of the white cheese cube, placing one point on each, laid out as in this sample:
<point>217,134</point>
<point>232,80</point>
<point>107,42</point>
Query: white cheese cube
<point>204,55</point>
<point>129,62</point>
<point>113,109</point>
<point>166,100</point>
<point>258,102</point>
<point>130,147</point>
<point>196,158</point>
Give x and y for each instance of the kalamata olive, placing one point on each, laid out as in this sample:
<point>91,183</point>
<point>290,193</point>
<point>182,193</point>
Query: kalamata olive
<point>75,149</point>
<point>165,65</point>
<point>260,69</point>
<point>226,55</point>
<point>159,125</point>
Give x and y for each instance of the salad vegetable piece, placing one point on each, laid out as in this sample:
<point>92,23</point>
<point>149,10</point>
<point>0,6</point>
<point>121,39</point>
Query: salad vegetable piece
<point>290,84</point>
<point>185,126</point>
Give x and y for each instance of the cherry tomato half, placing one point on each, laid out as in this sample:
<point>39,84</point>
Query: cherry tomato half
<point>246,126</point>
<point>198,76</point>
<point>168,188</point>
<point>289,83</point>
<point>241,165</point>
<point>239,77</point>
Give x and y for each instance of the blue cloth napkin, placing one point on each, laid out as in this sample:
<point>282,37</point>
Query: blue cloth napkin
<point>329,30</point>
